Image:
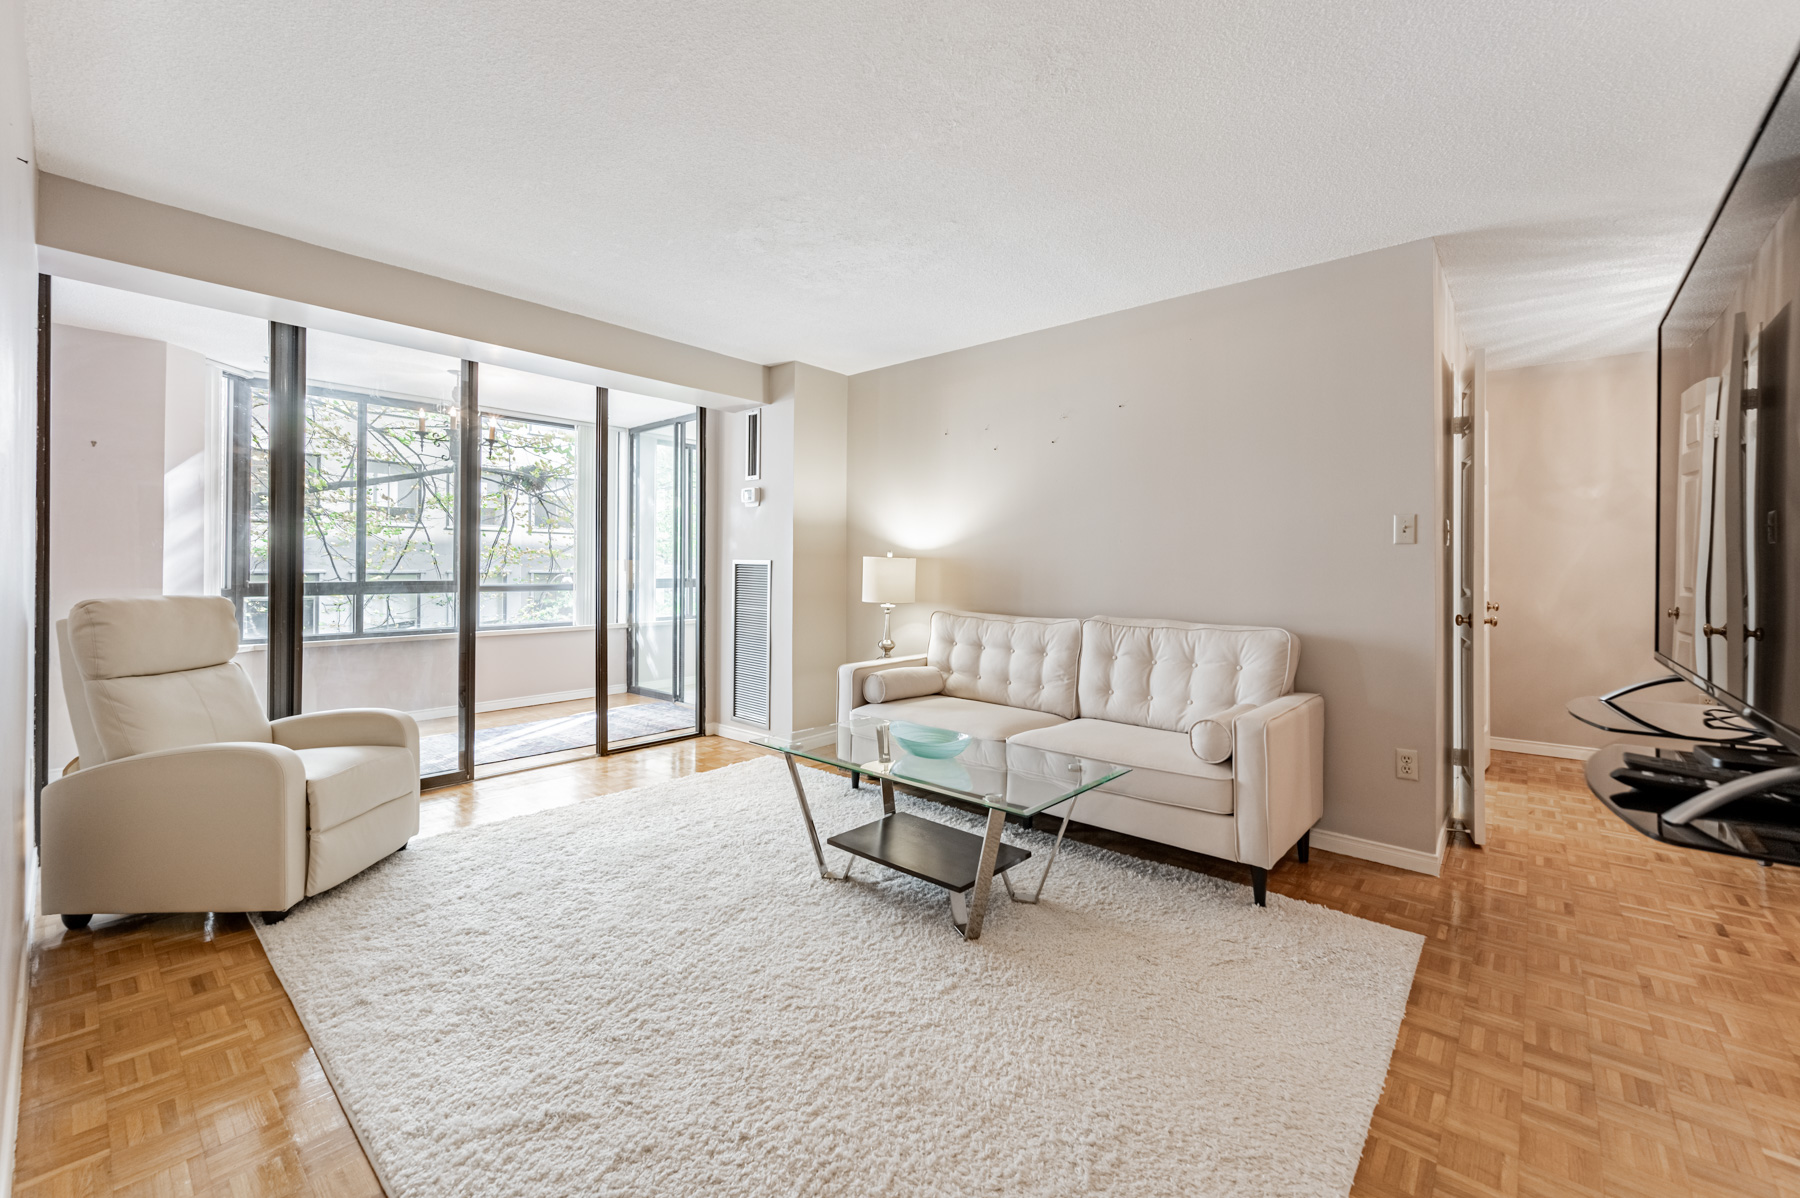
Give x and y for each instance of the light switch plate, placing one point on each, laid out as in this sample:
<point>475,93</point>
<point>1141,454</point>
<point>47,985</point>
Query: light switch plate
<point>751,496</point>
<point>1406,530</point>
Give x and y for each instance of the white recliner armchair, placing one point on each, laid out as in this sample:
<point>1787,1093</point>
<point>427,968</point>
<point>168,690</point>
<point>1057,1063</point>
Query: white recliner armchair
<point>186,797</point>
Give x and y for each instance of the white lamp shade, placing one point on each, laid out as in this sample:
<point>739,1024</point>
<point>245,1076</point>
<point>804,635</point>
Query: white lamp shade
<point>889,579</point>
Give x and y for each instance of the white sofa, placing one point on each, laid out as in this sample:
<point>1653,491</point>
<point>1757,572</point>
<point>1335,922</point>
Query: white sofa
<point>1225,758</point>
<point>187,798</point>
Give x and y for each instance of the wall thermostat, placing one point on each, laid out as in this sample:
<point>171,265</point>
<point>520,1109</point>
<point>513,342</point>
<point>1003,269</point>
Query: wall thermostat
<point>751,496</point>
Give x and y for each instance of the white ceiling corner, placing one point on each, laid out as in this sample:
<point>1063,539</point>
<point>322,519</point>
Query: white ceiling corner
<point>855,185</point>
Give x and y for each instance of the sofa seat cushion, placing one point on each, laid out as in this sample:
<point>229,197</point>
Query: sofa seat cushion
<point>1163,766</point>
<point>345,781</point>
<point>983,721</point>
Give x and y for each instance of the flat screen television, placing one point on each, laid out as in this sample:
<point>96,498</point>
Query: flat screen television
<point>1728,433</point>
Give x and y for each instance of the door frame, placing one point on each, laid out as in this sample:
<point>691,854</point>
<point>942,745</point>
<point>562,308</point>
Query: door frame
<point>701,423</point>
<point>1473,612</point>
<point>676,649</point>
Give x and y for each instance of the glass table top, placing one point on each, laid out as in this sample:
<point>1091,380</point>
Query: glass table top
<point>1014,778</point>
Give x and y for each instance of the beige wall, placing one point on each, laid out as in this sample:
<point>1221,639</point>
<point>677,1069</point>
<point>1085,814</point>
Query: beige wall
<point>800,526</point>
<point>1572,522</point>
<point>1235,456</point>
<point>18,431</point>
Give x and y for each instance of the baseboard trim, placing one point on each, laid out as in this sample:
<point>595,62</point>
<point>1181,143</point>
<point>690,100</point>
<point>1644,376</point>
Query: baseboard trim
<point>1541,748</point>
<point>735,732</point>
<point>15,1060</point>
<point>586,692</point>
<point>1416,860</point>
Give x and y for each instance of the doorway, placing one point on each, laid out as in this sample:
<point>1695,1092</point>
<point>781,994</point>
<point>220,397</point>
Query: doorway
<point>1473,613</point>
<point>661,575</point>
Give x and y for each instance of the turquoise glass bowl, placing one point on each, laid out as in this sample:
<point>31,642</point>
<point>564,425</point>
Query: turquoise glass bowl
<point>939,744</point>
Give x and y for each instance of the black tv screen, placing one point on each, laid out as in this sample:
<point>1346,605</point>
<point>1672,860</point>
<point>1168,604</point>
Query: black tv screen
<point>1728,517</point>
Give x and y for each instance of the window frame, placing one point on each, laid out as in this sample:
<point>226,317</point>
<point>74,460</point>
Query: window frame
<point>242,513</point>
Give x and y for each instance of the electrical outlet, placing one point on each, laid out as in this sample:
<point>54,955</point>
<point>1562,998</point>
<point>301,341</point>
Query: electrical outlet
<point>1406,764</point>
<point>1406,530</point>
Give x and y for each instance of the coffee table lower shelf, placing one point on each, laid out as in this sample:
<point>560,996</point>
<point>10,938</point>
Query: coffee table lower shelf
<point>924,849</point>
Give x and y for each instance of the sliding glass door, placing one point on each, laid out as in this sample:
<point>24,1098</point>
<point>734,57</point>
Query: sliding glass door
<point>535,655</point>
<point>660,573</point>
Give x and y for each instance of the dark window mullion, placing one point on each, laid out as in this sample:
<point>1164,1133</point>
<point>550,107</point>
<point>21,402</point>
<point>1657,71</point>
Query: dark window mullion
<point>603,539</point>
<point>362,513</point>
<point>468,558</point>
<point>287,512</point>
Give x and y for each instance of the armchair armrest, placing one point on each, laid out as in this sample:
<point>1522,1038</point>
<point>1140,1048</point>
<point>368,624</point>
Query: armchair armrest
<point>852,674</point>
<point>218,827</point>
<point>349,726</point>
<point>1279,770</point>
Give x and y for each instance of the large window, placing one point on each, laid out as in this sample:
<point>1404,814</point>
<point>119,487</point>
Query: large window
<point>530,493</point>
<point>380,519</point>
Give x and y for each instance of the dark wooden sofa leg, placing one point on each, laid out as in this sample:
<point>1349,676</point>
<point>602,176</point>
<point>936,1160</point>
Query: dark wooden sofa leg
<point>1259,885</point>
<point>855,780</point>
<point>1305,845</point>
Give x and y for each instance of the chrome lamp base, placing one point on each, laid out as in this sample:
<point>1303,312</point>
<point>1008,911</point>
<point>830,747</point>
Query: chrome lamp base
<point>886,643</point>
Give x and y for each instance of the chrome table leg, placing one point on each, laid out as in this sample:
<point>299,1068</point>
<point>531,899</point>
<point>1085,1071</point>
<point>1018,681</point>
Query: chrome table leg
<point>970,912</point>
<point>1050,864</point>
<point>812,833</point>
<point>887,795</point>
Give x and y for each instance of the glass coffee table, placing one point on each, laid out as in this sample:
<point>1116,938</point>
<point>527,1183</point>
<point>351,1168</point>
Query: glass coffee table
<point>1004,779</point>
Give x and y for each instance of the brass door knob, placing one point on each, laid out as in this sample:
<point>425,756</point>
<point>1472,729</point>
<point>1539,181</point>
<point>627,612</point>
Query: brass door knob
<point>1462,619</point>
<point>1492,606</point>
<point>1493,621</point>
<point>1710,630</point>
<point>1674,613</point>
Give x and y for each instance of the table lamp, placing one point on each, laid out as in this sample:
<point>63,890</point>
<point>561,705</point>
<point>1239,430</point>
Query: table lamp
<point>889,580</point>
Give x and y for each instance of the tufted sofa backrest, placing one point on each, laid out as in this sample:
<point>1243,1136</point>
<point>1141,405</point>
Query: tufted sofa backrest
<point>1161,674</point>
<point>1018,661</point>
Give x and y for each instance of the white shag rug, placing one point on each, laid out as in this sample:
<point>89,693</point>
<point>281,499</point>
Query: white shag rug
<point>654,993</point>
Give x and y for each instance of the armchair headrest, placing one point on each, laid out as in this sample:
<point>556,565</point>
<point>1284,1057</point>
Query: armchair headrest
<point>124,638</point>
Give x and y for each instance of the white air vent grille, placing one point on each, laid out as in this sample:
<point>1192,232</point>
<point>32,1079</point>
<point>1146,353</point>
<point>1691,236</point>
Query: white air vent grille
<point>750,642</point>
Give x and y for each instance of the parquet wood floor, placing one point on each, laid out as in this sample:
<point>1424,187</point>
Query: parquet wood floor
<point>1592,1015</point>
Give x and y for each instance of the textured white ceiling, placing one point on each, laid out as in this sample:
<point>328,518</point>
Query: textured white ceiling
<point>858,184</point>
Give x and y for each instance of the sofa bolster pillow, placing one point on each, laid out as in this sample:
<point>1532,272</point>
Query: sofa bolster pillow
<point>1211,735</point>
<point>906,682</point>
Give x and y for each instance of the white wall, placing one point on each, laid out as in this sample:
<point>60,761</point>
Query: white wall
<point>185,473</point>
<point>513,668</point>
<point>117,228</point>
<point>18,472</point>
<point>1234,456</point>
<point>106,482</point>
<point>1572,503</point>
